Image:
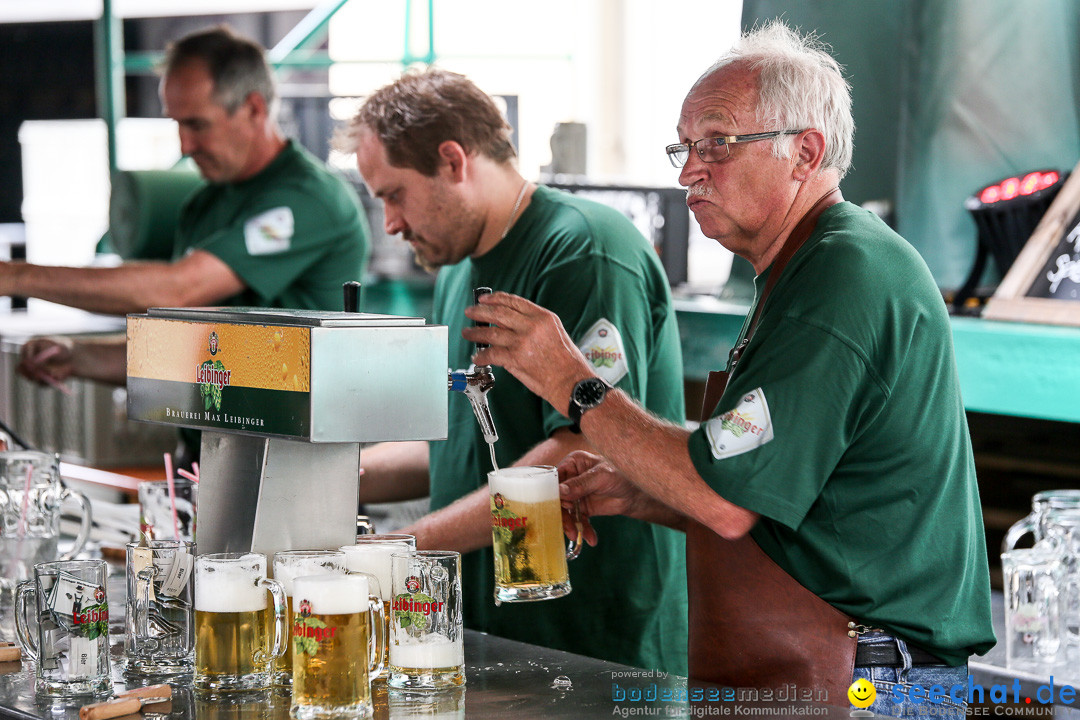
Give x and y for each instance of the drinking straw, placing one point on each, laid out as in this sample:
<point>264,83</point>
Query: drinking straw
<point>195,467</point>
<point>172,495</point>
<point>185,474</point>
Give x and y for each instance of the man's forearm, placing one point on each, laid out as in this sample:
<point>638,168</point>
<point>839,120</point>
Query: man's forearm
<point>394,471</point>
<point>102,359</point>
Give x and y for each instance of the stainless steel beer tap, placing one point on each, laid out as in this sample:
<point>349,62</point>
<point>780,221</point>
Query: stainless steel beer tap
<point>475,383</point>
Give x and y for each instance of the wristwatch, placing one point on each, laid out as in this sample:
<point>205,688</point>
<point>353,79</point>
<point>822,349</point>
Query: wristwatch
<point>586,395</point>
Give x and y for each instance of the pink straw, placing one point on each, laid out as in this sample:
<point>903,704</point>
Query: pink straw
<point>25,501</point>
<point>185,474</point>
<point>172,495</point>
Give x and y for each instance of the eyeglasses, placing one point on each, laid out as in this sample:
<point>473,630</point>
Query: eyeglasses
<point>715,149</point>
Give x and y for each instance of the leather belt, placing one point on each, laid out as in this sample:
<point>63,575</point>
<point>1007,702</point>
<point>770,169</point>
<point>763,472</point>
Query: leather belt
<point>888,655</point>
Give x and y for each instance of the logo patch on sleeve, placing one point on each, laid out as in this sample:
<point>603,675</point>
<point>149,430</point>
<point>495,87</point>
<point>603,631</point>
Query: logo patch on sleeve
<point>747,427</point>
<point>603,347</point>
<point>269,232</point>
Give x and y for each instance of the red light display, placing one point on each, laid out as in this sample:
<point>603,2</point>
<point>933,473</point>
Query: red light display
<point>1013,187</point>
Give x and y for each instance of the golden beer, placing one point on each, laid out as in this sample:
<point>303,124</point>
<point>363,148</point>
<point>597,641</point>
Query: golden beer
<point>527,536</point>
<point>331,647</point>
<point>228,643</point>
<point>289,565</point>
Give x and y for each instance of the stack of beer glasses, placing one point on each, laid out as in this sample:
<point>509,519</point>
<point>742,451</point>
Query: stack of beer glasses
<point>1042,583</point>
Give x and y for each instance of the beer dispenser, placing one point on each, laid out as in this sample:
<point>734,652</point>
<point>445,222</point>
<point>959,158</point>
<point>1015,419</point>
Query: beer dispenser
<point>283,399</point>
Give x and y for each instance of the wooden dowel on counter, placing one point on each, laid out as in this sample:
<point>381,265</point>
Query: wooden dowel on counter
<point>126,703</point>
<point>156,691</point>
<point>10,653</point>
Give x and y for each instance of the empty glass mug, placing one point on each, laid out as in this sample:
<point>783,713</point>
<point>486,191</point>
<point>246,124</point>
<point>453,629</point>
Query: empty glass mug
<point>237,633</point>
<point>371,555</point>
<point>527,535</point>
<point>71,649</point>
<point>335,646</point>
<point>160,620</point>
<point>289,565</point>
<point>427,650</point>
<point>1035,521</point>
<point>157,521</point>
<point>1032,579</point>
<point>30,499</point>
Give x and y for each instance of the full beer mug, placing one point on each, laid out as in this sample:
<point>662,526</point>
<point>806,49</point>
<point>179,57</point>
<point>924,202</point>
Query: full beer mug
<point>527,536</point>
<point>427,650</point>
<point>30,499</point>
<point>1032,579</point>
<point>236,636</point>
<point>289,565</point>
<point>160,619</point>
<point>371,555</point>
<point>334,646</point>
<point>72,645</point>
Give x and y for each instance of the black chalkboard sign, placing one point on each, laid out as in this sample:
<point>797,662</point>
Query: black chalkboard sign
<point>1059,278</point>
<point>1043,285</point>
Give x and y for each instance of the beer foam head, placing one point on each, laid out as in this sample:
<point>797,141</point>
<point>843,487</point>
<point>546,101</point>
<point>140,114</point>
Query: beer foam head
<point>289,566</point>
<point>230,585</point>
<point>527,484</point>
<point>374,559</point>
<point>332,594</point>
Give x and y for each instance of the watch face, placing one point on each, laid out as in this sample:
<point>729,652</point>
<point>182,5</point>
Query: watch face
<point>589,392</point>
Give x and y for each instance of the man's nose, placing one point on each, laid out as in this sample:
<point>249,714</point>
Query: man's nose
<point>692,171</point>
<point>187,142</point>
<point>393,222</point>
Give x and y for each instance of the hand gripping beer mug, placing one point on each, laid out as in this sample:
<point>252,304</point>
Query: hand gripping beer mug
<point>72,645</point>
<point>1032,578</point>
<point>289,565</point>
<point>334,646</point>
<point>371,555</point>
<point>160,617</point>
<point>427,650</point>
<point>237,634</point>
<point>527,536</point>
<point>30,499</point>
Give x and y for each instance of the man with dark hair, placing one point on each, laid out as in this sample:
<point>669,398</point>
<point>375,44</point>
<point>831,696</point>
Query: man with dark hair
<point>436,150</point>
<point>272,227</point>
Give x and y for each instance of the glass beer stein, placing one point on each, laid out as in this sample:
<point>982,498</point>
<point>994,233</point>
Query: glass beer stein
<point>289,565</point>
<point>160,619</point>
<point>427,650</point>
<point>237,634</point>
<point>71,650</point>
<point>371,555</point>
<point>30,499</point>
<point>527,535</point>
<point>335,646</point>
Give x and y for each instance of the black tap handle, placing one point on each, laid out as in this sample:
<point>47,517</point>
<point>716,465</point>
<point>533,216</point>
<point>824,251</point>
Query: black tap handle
<point>477,292</point>
<point>352,296</point>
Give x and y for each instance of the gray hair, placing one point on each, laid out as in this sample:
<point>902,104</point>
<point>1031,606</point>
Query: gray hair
<point>236,64</point>
<point>800,86</point>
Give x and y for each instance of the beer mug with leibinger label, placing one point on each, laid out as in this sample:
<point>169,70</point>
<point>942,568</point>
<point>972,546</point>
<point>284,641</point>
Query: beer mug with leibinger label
<point>427,650</point>
<point>1034,631</point>
<point>335,646</point>
<point>160,618</point>
<point>289,565</point>
<point>527,535</point>
<point>72,646</point>
<point>237,635</point>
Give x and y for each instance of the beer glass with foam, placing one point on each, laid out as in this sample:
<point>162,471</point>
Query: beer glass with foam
<point>334,646</point>
<point>427,650</point>
<point>289,565</point>
<point>237,633</point>
<point>527,535</point>
<point>71,650</point>
<point>371,555</point>
<point>160,618</point>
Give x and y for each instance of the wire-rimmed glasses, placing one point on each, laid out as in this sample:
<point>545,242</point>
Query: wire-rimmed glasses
<point>715,149</point>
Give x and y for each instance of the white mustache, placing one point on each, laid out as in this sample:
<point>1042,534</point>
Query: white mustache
<point>701,190</point>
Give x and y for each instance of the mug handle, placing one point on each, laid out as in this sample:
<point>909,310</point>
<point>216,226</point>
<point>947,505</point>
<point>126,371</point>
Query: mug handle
<point>573,548</point>
<point>22,628</point>
<point>376,662</point>
<point>1018,530</point>
<point>84,528</point>
<point>281,638</point>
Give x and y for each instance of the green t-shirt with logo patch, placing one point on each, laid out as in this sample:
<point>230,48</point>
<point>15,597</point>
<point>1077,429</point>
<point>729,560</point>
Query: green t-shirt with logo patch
<point>588,264</point>
<point>294,233</point>
<point>843,427</point>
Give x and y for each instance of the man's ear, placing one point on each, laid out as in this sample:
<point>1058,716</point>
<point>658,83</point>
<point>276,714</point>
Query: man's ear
<point>255,104</point>
<point>809,151</point>
<point>453,159</point>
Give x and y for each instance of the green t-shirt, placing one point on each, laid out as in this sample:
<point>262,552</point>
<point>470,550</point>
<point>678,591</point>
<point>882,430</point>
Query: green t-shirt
<point>588,264</point>
<point>294,233</point>
<point>843,427</point>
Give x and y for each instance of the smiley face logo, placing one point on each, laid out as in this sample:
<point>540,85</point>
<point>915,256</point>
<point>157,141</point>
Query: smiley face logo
<point>862,693</point>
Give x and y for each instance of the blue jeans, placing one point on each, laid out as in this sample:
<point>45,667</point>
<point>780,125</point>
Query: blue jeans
<point>894,685</point>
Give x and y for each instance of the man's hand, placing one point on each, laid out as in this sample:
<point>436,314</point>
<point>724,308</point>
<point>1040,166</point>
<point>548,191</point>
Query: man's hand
<point>531,343</point>
<point>48,361</point>
<point>599,489</point>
